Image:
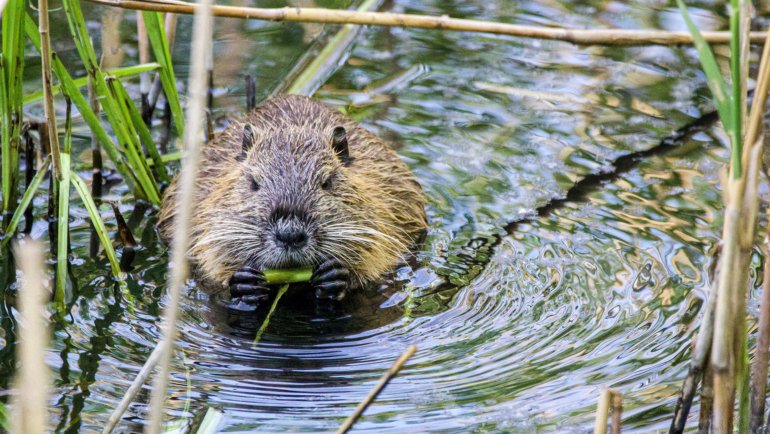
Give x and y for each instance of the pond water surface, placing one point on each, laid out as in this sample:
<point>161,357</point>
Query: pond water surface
<point>518,326</point>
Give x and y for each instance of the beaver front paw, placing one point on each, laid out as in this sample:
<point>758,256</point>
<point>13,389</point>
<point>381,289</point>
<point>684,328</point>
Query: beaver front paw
<point>330,280</point>
<point>248,283</point>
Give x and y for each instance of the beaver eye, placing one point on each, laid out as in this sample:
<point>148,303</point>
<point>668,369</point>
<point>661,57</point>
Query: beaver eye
<point>253,184</point>
<point>326,185</point>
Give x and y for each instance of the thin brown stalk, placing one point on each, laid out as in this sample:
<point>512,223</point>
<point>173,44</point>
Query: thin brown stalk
<point>700,358</point>
<point>706,400</point>
<point>200,52</point>
<point>50,113</point>
<point>132,391</point>
<point>30,402</point>
<point>617,412</point>
<point>386,377</point>
<point>615,37</point>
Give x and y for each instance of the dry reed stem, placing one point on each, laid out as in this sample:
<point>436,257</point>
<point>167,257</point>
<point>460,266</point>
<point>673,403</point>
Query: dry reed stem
<point>386,377</point>
<point>603,411</point>
<point>613,37</point>
<point>738,239</point>
<point>759,365</point>
<point>199,53</point>
<point>30,403</point>
<point>132,390</point>
<point>50,113</point>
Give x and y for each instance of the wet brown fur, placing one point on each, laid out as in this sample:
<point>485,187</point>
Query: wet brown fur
<point>368,220</point>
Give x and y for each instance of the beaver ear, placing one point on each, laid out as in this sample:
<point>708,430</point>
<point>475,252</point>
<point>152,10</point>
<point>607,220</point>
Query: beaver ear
<point>248,140</point>
<point>340,144</point>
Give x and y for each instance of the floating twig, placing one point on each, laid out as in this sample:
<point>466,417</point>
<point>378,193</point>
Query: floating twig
<point>386,377</point>
<point>336,16</point>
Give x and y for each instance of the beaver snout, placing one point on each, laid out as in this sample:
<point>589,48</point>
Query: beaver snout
<point>291,237</point>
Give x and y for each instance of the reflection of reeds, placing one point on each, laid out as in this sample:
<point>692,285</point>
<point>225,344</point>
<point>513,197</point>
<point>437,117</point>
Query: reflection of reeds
<point>32,378</point>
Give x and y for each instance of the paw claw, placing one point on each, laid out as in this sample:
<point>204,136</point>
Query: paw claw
<point>330,280</point>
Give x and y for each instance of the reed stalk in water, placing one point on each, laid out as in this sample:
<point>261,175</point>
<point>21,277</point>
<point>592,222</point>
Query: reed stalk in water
<point>11,75</point>
<point>614,37</point>
<point>32,378</point>
<point>729,352</point>
<point>200,50</point>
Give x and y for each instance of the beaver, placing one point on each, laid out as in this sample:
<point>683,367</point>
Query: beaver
<point>295,183</point>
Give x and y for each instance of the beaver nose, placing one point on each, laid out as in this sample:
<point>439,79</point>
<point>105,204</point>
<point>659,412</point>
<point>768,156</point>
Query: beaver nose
<point>291,237</point>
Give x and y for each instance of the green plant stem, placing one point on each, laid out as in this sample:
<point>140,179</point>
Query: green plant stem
<point>99,227</point>
<point>281,291</point>
<point>72,90</point>
<point>80,82</point>
<point>736,137</point>
<point>13,71</point>
<point>157,35</point>
<point>293,275</point>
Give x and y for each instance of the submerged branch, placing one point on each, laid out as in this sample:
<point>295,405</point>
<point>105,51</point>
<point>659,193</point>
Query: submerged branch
<point>616,37</point>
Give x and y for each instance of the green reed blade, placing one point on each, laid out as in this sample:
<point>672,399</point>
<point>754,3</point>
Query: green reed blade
<point>101,229</point>
<point>5,134</point>
<point>716,83</point>
<point>133,148</point>
<point>736,150</point>
<point>141,128</point>
<point>62,225</point>
<point>26,200</point>
<point>156,33</point>
<point>281,291</point>
<point>116,116</point>
<point>72,90</point>
<point>12,117</point>
<point>126,71</point>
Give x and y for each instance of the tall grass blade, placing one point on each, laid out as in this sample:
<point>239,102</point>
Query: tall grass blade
<point>133,148</point>
<point>716,83</point>
<point>72,90</point>
<point>156,32</point>
<point>81,82</point>
<point>141,128</point>
<point>12,117</point>
<point>26,200</point>
<point>101,229</point>
<point>116,116</point>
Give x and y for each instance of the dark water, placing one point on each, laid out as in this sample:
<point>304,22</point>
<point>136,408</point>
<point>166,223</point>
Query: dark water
<point>517,330</point>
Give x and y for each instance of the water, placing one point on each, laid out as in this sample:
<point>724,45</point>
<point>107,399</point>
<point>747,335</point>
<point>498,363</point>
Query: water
<point>517,326</point>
